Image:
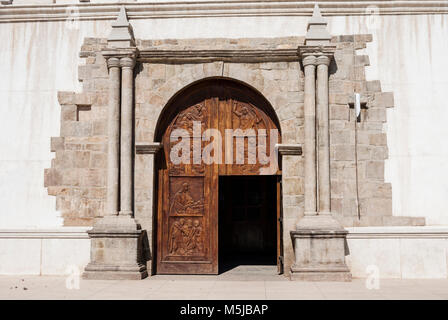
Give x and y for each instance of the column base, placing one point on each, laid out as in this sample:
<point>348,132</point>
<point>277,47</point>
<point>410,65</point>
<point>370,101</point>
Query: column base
<point>319,246</point>
<point>116,250</point>
<point>114,272</point>
<point>321,273</point>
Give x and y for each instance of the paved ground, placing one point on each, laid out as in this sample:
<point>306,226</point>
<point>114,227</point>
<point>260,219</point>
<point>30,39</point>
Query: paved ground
<point>246,283</point>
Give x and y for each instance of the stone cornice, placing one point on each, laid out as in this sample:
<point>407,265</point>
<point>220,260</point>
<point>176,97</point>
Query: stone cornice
<point>289,149</point>
<point>423,232</point>
<point>193,9</point>
<point>119,53</point>
<point>199,56</point>
<point>316,51</point>
<point>148,148</point>
<point>59,233</point>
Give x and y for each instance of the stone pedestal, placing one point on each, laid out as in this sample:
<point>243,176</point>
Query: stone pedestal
<point>116,250</point>
<point>319,245</point>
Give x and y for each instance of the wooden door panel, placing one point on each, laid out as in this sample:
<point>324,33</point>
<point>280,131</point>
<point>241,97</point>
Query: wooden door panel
<point>248,124</point>
<point>185,241</point>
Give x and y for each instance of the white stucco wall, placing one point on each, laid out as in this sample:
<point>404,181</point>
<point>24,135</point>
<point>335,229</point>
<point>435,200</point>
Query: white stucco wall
<point>36,60</point>
<point>407,54</point>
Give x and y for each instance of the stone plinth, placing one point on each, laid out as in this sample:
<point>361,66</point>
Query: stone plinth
<point>319,245</point>
<point>116,250</point>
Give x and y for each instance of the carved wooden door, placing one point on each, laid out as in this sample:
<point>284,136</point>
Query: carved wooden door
<point>187,227</point>
<point>186,235</point>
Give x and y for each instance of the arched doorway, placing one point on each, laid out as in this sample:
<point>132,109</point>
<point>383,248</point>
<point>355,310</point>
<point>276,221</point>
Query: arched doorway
<point>216,133</point>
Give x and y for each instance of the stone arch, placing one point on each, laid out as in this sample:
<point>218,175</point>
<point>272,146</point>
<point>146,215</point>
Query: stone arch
<point>278,82</point>
<point>168,112</point>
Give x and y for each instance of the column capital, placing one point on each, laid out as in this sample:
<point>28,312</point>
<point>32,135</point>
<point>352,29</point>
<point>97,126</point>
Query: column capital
<point>127,62</point>
<point>323,60</point>
<point>113,62</point>
<point>309,60</point>
<point>117,54</point>
<point>317,52</point>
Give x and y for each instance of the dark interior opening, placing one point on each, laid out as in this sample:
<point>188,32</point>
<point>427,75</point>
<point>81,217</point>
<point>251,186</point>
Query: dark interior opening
<point>247,221</point>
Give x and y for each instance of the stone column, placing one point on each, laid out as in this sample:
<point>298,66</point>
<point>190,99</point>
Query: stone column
<point>310,135</point>
<point>113,132</point>
<point>323,134</point>
<point>126,150</point>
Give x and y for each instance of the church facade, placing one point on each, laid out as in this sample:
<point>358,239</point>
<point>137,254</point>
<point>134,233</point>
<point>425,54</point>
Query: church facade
<point>145,139</point>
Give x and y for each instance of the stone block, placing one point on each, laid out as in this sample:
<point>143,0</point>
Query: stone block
<point>80,159</point>
<point>76,129</point>
<point>363,37</point>
<point>359,45</point>
<point>100,147</point>
<point>341,137</point>
<point>362,60</point>
<point>339,112</point>
<point>84,98</point>
<point>66,97</point>
<point>343,152</point>
<point>293,200</point>
<point>74,146</point>
<point>98,160</point>
<point>84,72</point>
<point>93,178</point>
<point>376,207</point>
<point>102,99</point>
<point>373,86</point>
<point>345,38</point>
<point>295,97</point>
<point>376,114</point>
<point>155,71</point>
<point>100,71</point>
<point>71,177</point>
<point>292,186</point>
<point>68,112</point>
<point>403,221</point>
<point>57,144</point>
<point>52,177</point>
<point>378,139</point>
<point>364,152</point>
<point>342,170</point>
<point>338,98</point>
<point>336,86</point>
<point>359,74</point>
<point>97,193</point>
<point>101,84</point>
<point>99,128</point>
<point>384,99</point>
<point>380,153</point>
<point>375,170</point>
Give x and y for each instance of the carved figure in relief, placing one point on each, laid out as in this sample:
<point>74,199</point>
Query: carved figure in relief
<point>176,236</point>
<point>184,204</point>
<point>195,113</point>
<point>195,239</point>
<point>186,237</point>
<point>248,119</point>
